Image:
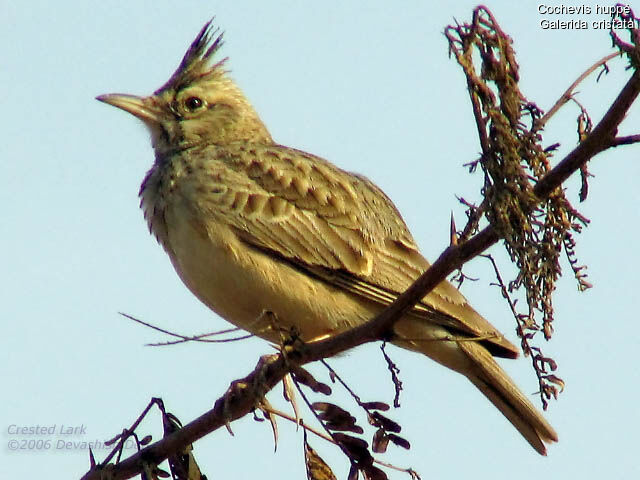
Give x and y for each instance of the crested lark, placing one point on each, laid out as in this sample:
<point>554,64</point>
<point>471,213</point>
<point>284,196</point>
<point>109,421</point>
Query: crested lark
<point>252,227</point>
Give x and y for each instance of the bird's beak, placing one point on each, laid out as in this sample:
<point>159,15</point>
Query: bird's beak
<point>142,107</point>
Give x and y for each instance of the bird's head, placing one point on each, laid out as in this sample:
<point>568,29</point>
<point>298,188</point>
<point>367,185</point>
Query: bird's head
<point>199,104</point>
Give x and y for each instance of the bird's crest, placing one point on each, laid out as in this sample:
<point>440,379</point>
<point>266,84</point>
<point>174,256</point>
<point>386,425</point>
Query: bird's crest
<point>197,61</point>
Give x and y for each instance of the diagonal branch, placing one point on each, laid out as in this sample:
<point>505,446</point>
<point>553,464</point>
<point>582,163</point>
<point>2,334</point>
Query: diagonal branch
<point>601,138</point>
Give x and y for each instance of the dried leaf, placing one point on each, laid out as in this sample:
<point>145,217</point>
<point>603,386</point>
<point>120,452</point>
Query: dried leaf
<point>380,441</point>
<point>330,411</point>
<point>317,468</point>
<point>146,440</point>
<point>356,447</point>
<point>375,406</point>
<point>374,473</point>
<point>350,441</point>
<point>334,415</point>
<point>182,464</point>
<point>399,441</point>
<point>336,418</point>
<point>322,388</point>
<point>303,376</point>
<point>378,420</point>
<point>346,426</point>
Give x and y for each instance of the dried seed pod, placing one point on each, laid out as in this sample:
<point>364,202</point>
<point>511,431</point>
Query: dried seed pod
<point>347,426</point>
<point>317,468</point>
<point>356,447</point>
<point>301,375</point>
<point>399,441</point>
<point>378,420</point>
<point>380,441</point>
<point>374,473</point>
<point>336,418</point>
<point>375,406</point>
<point>331,412</point>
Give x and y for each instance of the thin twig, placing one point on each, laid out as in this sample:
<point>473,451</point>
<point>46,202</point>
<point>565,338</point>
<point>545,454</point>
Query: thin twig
<point>124,435</point>
<point>292,419</point>
<point>185,338</point>
<point>335,375</point>
<point>568,94</point>
<point>522,327</point>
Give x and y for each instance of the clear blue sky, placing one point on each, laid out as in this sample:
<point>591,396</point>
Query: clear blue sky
<point>368,86</point>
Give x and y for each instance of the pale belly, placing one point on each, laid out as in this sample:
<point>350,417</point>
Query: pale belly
<point>240,283</point>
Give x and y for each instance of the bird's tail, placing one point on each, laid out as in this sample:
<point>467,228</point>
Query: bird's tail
<point>496,385</point>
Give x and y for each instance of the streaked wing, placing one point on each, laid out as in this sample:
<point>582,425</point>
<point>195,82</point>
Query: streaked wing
<point>337,226</point>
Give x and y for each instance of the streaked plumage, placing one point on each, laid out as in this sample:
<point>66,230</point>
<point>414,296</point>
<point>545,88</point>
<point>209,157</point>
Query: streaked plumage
<point>253,226</point>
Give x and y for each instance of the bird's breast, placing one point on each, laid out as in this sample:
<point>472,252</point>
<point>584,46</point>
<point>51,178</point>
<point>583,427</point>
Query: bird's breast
<point>241,283</point>
<point>232,278</point>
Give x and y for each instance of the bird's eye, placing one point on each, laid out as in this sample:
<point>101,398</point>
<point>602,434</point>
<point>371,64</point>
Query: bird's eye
<point>193,103</point>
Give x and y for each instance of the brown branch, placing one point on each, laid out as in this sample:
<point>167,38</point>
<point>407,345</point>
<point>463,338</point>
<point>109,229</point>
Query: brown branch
<point>601,138</point>
<point>243,395</point>
<point>627,140</point>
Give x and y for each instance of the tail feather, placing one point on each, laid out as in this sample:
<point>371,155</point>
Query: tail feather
<point>496,385</point>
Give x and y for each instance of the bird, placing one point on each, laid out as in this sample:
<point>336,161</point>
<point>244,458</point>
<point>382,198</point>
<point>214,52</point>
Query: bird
<point>275,239</point>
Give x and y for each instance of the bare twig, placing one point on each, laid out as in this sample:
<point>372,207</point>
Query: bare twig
<point>568,94</point>
<point>188,338</point>
<point>297,421</point>
<point>122,437</point>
